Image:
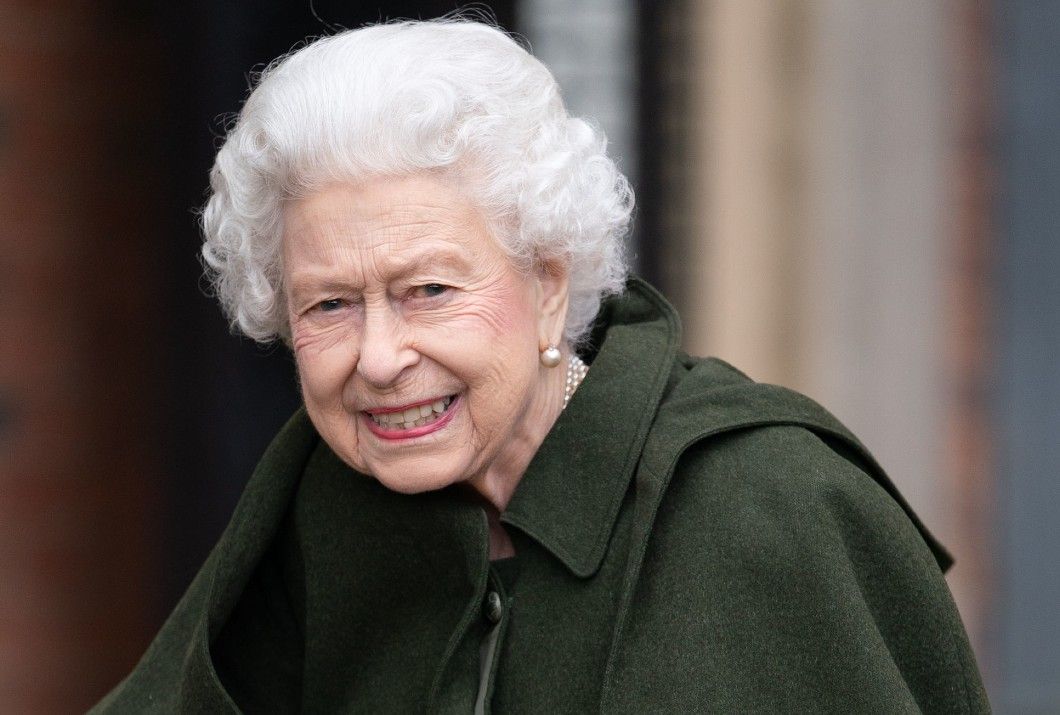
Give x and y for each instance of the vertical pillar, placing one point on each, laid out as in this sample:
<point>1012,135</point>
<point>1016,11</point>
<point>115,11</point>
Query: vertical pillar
<point>969,483</point>
<point>76,315</point>
<point>746,238</point>
<point>667,128</point>
<point>1028,380</point>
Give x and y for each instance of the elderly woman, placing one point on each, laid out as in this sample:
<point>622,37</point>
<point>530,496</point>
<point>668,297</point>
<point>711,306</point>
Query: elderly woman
<point>508,489</point>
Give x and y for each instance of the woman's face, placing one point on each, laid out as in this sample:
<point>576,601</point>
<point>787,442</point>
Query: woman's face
<point>416,339</point>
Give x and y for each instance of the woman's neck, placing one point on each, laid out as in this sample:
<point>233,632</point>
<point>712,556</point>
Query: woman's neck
<point>500,479</point>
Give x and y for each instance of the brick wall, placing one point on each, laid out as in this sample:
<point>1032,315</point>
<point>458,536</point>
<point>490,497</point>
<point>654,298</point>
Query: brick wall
<point>972,253</point>
<point>77,320</point>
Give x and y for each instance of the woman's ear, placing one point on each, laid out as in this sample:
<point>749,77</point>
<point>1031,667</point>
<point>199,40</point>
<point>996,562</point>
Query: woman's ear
<point>552,299</point>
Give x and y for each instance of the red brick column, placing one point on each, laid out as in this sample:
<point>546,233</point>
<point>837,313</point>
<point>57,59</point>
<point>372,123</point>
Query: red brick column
<point>970,356</point>
<point>77,318</point>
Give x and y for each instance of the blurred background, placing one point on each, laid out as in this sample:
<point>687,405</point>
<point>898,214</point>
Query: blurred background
<point>860,200</point>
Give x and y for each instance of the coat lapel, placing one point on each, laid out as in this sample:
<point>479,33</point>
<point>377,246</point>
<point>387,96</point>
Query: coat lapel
<point>570,496</point>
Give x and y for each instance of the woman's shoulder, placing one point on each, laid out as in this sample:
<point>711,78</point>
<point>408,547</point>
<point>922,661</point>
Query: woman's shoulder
<point>772,453</point>
<point>782,566</point>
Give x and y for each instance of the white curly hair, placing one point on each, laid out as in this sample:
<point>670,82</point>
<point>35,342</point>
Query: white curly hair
<point>451,95</point>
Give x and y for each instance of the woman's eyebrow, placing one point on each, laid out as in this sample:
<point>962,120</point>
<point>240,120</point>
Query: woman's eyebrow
<point>428,260</point>
<point>313,282</point>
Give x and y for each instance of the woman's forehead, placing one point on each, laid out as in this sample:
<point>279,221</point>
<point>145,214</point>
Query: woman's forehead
<point>393,227</point>
<point>383,210</point>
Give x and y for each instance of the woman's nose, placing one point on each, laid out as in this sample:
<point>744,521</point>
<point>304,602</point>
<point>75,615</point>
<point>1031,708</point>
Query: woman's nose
<point>385,350</point>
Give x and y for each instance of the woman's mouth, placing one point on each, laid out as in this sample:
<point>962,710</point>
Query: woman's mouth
<point>412,421</point>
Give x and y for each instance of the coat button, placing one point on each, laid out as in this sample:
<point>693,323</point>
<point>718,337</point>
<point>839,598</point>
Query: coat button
<point>494,609</point>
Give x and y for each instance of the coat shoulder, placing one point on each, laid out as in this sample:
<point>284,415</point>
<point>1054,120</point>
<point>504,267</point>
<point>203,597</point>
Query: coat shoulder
<point>766,460</point>
<point>713,408</point>
<point>801,576</point>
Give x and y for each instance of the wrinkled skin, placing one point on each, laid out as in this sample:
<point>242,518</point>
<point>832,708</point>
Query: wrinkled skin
<point>397,292</point>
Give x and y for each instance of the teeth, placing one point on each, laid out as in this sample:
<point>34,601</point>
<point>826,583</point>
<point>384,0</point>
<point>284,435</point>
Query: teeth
<point>413,416</point>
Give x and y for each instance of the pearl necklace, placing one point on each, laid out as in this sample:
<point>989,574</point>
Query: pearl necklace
<point>576,372</point>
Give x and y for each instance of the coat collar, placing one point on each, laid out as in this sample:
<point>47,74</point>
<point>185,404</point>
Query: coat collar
<point>569,498</point>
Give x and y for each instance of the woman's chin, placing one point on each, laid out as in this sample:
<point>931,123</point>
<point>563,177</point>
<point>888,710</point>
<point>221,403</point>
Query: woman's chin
<point>400,480</point>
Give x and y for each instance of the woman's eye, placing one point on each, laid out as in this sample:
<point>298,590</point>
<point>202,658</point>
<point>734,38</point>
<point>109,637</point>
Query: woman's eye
<point>327,306</point>
<point>432,290</point>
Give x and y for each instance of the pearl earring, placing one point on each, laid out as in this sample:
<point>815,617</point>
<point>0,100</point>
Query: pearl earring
<point>551,356</point>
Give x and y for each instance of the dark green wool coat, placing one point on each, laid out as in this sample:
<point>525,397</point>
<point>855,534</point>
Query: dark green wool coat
<point>687,540</point>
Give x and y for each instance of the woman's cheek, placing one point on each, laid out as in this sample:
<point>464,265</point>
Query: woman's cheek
<point>314,335</point>
<point>323,367</point>
<point>485,317</point>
